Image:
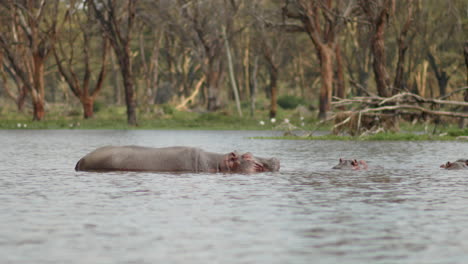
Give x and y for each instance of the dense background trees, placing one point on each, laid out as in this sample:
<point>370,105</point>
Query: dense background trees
<point>164,51</point>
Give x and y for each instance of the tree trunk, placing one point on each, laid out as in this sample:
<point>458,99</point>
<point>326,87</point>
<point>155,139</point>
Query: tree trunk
<point>399,85</point>
<point>130,99</point>
<point>213,77</point>
<point>441,75</point>
<point>340,83</point>
<point>463,121</point>
<point>273,90</point>
<point>88,104</point>
<point>326,70</point>
<point>38,87</point>
<point>127,76</point>
<point>115,79</point>
<point>253,86</point>
<point>38,108</point>
<point>231,73</point>
<point>378,50</point>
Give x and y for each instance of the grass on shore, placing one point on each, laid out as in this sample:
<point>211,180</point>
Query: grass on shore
<point>401,136</point>
<point>114,117</point>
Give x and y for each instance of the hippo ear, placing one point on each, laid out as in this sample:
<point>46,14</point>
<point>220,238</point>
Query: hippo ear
<point>341,160</point>
<point>233,156</point>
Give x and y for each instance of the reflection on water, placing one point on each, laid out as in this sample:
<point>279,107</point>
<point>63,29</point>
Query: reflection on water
<point>409,211</point>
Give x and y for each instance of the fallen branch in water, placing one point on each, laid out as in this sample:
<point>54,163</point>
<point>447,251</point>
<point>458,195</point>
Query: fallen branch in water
<point>414,107</point>
<point>399,98</point>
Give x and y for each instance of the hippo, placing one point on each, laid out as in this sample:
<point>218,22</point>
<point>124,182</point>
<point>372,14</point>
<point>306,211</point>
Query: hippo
<point>459,164</point>
<point>173,159</point>
<point>346,164</point>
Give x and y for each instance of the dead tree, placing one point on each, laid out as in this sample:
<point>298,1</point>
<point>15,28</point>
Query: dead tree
<point>381,113</point>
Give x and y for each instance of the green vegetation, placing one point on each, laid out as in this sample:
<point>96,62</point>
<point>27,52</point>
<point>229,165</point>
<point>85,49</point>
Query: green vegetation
<point>380,137</point>
<point>159,117</point>
<point>167,117</point>
<point>290,101</point>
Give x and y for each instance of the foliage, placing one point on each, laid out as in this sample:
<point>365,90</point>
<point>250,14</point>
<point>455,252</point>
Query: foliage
<point>376,137</point>
<point>98,106</point>
<point>290,101</point>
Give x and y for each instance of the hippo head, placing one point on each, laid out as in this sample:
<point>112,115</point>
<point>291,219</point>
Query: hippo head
<point>350,164</point>
<point>344,164</point>
<point>248,163</point>
<point>457,165</point>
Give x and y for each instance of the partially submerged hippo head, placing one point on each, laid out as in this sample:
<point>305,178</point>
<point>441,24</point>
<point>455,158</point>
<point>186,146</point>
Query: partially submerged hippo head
<point>350,164</point>
<point>250,164</point>
<point>457,165</point>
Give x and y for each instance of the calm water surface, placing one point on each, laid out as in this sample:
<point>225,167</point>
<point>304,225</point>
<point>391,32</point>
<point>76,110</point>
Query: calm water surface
<point>409,212</point>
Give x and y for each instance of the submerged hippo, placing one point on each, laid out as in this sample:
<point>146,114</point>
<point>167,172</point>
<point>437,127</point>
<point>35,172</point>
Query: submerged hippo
<point>351,164</point>
<point>459,164</point>
<point>172,159</point>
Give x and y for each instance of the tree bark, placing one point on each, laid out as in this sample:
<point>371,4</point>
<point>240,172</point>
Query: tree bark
<point>127,75</point>
<point>399,83</point>
<point>253,86</point>
<point>326,71</point>
<point>463,121</point>
<point>213,77</point>
<point>441,75</point>
<point>378,50</point>
<point>120,36</point>
<point>39,93</point>
<point>273,90</point>
<point>340,83</point>
<point>88,105</point>
<point>231,73</point>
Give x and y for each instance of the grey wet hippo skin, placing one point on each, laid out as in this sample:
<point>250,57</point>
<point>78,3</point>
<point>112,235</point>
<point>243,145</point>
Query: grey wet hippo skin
<point>459,164</point>
<point>172,159</point>
<point>351,164</point>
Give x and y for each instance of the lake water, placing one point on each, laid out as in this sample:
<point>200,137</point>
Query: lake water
<point>409,212</point>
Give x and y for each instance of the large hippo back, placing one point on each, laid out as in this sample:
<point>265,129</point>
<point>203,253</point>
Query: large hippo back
<point>136,158</point>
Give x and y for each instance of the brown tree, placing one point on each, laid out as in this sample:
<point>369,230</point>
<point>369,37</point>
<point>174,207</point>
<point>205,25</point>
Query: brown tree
<point>377,14</point>
<point>28,43</point>
<point>67,55</point>
<point>19,97</point>
<point>322,20</point>
<point>117,20</point>
<point>463,121</point>
<point>204,26</point>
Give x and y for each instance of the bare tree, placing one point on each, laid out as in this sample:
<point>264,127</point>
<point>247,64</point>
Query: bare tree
<point>463,121</point>
<point>28,43</point>
<point>66,58</point>
<point>117,20</point>
<point>204,26</point>
<point>19,97</point>
<point>322,20</point>
<point>377,14</point>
